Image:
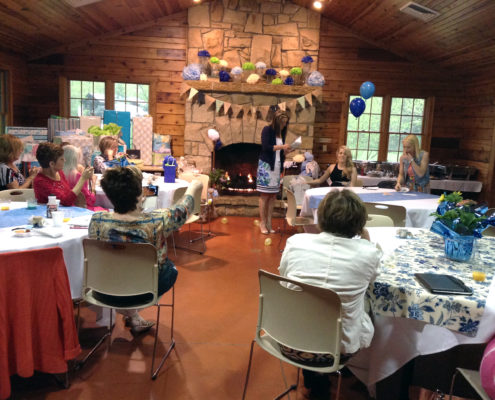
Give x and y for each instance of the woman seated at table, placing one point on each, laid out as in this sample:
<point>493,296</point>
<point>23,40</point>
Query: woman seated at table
<point>343,173</point>
<point>340,258</point>
<point>123,186</point>
<point>11,149</point>
<point>414,170</point>
<point>51,180</point>
<point>109,146</point>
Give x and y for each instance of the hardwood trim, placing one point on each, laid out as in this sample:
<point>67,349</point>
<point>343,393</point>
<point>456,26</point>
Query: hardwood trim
<point>491,166</point>
<point>234,87</point>
<point>344,115</point>
<point>109,95</point>
<point>384,128</point>
<point>428,123</point>
<point>63,96</point>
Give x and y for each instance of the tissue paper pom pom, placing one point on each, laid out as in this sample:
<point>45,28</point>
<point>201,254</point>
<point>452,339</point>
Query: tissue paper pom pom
<point>203,53</point>
<point>224,76</point>
<point>270,71</point>
<point>316,79</point>
<point>307,59</point>
<point>260,64</point>
<point>296,71</point>
<point>277,81</point>
<point>236,70</point>
<point>289,81</point>
<point>224,63</point>
<point>214,60</point>
<point>191,72</point>
<point>203,77</point>
<point>213,134</point>
<point>284,73</point>
<point>253,78</point>
<point>248,66</point>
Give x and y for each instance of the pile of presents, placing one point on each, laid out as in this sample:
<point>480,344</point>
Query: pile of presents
<point>137,134</point>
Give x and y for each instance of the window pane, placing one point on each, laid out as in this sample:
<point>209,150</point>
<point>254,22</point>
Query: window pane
<point>86,98</point>
<point>364,122</point>
<point>131,91</point>
<point>144,93</point>
<point>374,141</point>
<point>417,125</point>
<point>407,106</point>
<point>373,155</point>
<point>363,141</point>
<point>362,155</point>
<point>120,105</point>
<point>352,140</point>
<point>396,106</point>
<point>392,156</point>
<point>120,91</point>
<point>394,123</point>
<point>405,125</point>
<point>87,107</point>
<point>99,90</point>
<point>393,142</point>
<point>75,107</point>
<point>352,124</point>
<point>143,109</point>
<point>376,105</point>
<point>375,123</point>
<point>419,106</point>
<point>87,88</point>
<point>75,88</point>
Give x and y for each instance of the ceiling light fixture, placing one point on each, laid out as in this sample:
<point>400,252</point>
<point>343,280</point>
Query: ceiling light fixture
<point>196,1</point>
<point>317,4</point>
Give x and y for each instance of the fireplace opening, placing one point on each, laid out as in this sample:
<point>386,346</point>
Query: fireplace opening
<point>240,162</point>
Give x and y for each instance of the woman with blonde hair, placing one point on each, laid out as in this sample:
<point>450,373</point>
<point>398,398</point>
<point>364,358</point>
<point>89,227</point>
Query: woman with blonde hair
<point>11,149</point>
<point>342,173</point>
<point>413,170</point>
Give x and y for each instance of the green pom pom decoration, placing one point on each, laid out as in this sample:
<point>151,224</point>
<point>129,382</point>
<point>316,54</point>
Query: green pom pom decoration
<point>248,66</point>
<point>296,71</point>
<point>214,60</point>
<point>277,81</point>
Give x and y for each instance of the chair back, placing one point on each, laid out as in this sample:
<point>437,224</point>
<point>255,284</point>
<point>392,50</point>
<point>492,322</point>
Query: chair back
<point>179,192</point>
<point>378,220</point>
<point>396,213</point>
<point>291,207</point>
<point>490,231</point>
<point>300,316</point>
<point>205,180</point>
<point>17,195</point>
<point>120,269</point>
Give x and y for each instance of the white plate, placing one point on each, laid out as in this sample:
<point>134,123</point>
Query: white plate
<point>22,232</point>
<point>404,189</point>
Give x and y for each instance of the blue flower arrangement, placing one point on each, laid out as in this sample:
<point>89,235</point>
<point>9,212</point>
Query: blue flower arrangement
<point>270,71</point>
<point>289,81</point>
<point>191,72</point>
<point>204,53</point>
<point>224,76</point>
<point>315,79</point>
<point>307,59</point>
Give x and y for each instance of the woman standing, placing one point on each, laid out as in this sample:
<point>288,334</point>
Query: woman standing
<point>414,170</point>
<point>343,173</point>
<point>271,159</point>
<point>10,177</point>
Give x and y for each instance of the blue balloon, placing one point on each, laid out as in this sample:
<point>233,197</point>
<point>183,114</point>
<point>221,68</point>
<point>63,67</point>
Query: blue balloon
<point>357,106</point>
<point>367,90</point>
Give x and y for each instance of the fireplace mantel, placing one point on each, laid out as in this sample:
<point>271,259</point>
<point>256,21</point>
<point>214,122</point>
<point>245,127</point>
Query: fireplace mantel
<point>263,88</point>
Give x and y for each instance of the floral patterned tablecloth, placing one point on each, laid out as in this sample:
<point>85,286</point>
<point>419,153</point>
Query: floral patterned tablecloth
<point>396,293</point>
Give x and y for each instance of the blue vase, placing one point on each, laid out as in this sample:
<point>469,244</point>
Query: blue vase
<point>459,248</point>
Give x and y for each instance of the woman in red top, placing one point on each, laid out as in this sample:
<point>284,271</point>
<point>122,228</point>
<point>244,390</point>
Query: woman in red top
<point>51,180</point>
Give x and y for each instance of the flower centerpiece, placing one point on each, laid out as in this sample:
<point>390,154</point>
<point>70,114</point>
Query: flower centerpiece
<point>306,66</point>
<point>260,68</point>
<point>215,66</point>
<point>204,57</point>
<point>247,69</point>
<point>271,74</point>
<point>459,221</point>
<point>296,74</point>
<point>236,73</point>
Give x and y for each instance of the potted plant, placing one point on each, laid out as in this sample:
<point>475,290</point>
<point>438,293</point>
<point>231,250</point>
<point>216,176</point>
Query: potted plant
<point>110,129</point>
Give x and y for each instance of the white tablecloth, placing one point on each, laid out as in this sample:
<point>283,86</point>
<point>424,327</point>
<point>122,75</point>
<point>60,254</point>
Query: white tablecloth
<point>165,192</point>
<point>398,340</point>
<point>440,184</point>
<point>417,211</point>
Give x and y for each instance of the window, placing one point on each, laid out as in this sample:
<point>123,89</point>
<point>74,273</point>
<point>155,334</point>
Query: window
<point>86,98</point>
<point>363,133</point>
<point>4,106</point>
<point>406,118</point>
<point>132,97</point>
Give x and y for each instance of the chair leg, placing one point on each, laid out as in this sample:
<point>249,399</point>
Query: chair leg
<point>173,243</point>
<point>339,381</point>
<point>201,237</point>
<point>154,372</point>
<point>290,388</point>
<point>282,235</point>
<point>452,384</point>
<point>248,371</point>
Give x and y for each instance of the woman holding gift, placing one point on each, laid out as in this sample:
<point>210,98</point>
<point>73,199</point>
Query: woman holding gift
<point>343,173</point>
<point>271,159</point>
<point>414,169</point>
<point>11,149</point>
<point>108,147</point>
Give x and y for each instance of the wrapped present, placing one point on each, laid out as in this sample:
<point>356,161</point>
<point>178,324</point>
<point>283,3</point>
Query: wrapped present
<point>84,142</point>
<point>142,137</point>
<point>157,158</point>
<point>61,124</point>
<point>35,133</point>
<point>161,143</point>
<point>29,150</point>
<point>86,121</point>
<point>123,119</point>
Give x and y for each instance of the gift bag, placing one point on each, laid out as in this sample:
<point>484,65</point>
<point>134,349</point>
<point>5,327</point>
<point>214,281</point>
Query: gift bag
<point>83,142</point>
<point>61,124</point>
<point>85,122</point>
<point>142,137</point>
<point>169,173</point>
<point>121,118</point>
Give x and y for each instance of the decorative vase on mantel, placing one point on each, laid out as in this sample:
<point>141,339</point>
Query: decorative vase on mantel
<point>296,74</point>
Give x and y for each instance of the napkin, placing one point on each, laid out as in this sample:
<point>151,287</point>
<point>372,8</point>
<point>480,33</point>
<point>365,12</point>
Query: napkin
<point>50,231</point>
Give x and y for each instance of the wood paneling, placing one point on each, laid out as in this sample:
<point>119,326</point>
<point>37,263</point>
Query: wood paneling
<point>18,89</point>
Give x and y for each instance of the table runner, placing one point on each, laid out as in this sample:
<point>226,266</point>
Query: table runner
<point>20,216</point>
<point>396,293</point>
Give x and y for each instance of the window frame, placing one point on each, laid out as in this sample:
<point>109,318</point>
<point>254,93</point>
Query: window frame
<point>69,98</point>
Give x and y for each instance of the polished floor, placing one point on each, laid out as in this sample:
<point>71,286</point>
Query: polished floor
<point>216,312</point>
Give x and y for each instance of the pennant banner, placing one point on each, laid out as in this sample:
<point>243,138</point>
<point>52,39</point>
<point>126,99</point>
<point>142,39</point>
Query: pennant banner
<point>309,98</point>
<point>184,88</point>
<point>302,102</point>
<point>247,109</point>
<point>219,105</point>
<point>226,107</point>
<point>236,109</point>
<point>292,105</point>
<point>254,111</point>
<point>209,101</point>
<point>192,93</point>
<point>282,106</point>
<point>264,111</point>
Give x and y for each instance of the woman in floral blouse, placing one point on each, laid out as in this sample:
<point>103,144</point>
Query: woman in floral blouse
<point>123,186</point>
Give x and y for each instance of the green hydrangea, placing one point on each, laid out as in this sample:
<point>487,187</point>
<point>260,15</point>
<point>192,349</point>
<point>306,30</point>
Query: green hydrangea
<point>296,71</point>
<point>248,66</point>
<point>277,81</point>
<point>214,60</point>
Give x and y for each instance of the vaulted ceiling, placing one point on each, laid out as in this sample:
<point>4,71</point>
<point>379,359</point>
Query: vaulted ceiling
<point>461,38</point>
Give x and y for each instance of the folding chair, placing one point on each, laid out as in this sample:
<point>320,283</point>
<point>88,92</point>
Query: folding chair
<point>17,195</point>
<point>378,220</point>
<point>179,192</point>
<point>396,213</point>
<point>129,273</point>
<point>300,316</point>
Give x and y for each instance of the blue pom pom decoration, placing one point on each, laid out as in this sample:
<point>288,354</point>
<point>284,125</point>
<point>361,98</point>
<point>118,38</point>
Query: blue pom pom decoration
<point>203,53</point>
<point>224,76</point>
<point>270,71</point>
<point>289,81</point>
<point>191,72</point>
<point>307,59</point>
<point>236,71</point>
<point>316,79</point>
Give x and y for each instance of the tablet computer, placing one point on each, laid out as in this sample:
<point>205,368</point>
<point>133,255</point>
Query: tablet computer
<point>443,284</point>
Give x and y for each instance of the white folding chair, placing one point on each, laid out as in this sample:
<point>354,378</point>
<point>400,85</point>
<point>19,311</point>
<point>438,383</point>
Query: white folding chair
<point>17,195</point>
<point>179,192</point>
<point>128,272</point>
<point>378,220</point>
<point>302,317</point>
<point>397,213</point>
<point>291,217</point>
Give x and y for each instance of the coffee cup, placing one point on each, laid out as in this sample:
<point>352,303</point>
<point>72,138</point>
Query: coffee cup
<point>37,221</point>
<point>58,218</point>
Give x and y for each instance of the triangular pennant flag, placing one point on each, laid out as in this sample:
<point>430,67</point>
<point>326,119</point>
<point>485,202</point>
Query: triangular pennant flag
<point>292,105</point>
<point>318,94</point>
<point>301,101</point>
<point>184,88</point>
<point>201,98</point>
<point>246,108</point>
<point>264,111</point>
<point>226,107</point>
<point>209,101</point>
<point>192,93</point>
<point>236,109</point>
<point>309,98</point>
<point>254,111</point>
<point>219,105</point>
<point>282,106</point>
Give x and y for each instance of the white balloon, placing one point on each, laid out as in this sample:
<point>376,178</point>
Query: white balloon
<point>213,134</point>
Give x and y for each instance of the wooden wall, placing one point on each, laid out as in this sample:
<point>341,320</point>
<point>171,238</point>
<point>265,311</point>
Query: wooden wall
<point>19,89</point>
<point>155,55</point>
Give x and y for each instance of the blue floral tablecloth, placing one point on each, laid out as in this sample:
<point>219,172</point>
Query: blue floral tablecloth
<point>396,292</point>
<point>20,216</point>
